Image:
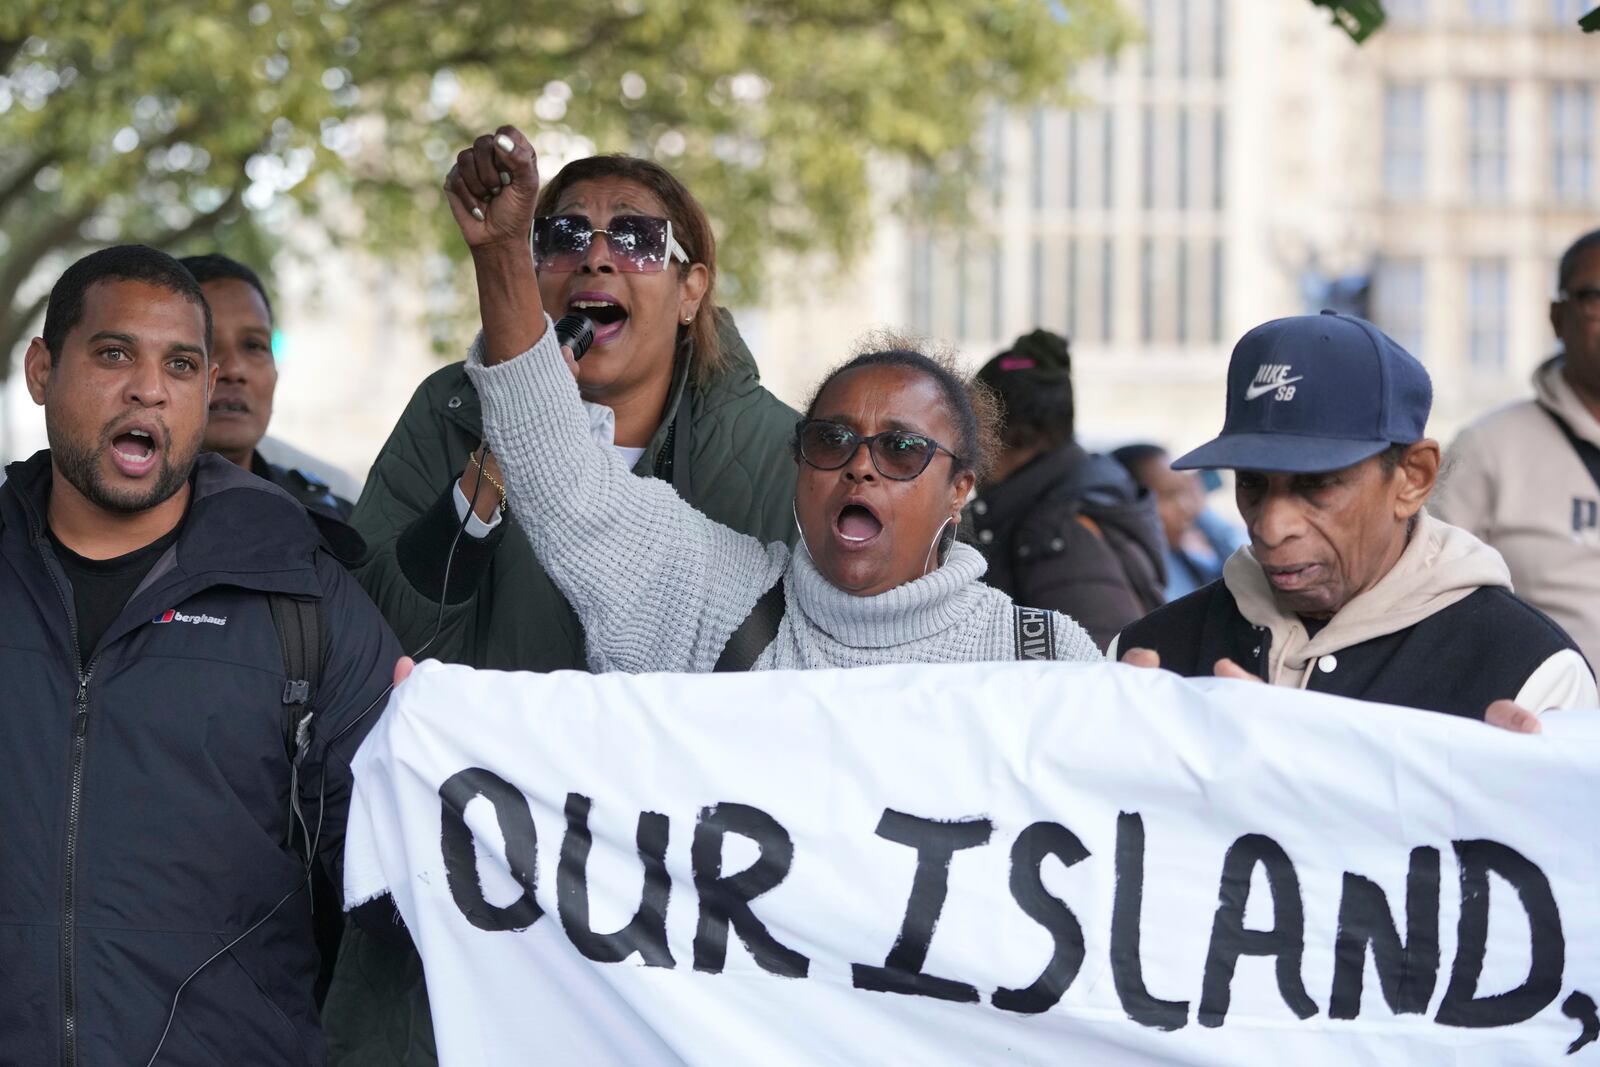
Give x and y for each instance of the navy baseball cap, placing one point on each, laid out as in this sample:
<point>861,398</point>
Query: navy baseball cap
<point>1316,393</point>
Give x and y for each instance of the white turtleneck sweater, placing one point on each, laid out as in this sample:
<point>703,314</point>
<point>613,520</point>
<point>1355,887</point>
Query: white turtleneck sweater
<point>660,587</point>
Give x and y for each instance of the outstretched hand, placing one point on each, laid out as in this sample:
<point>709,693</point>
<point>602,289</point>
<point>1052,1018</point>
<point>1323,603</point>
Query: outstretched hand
<point>493,187</point>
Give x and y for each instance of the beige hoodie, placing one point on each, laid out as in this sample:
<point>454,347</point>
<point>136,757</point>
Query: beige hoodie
<point>1439,567</point>
<point>1515,481</point>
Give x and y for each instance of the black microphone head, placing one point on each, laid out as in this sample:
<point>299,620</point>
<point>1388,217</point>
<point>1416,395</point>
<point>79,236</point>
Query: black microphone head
<point>576,332</point>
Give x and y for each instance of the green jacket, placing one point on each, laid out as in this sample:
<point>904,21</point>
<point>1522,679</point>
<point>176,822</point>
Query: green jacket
<point>734,464</point>
<point>724,447</point>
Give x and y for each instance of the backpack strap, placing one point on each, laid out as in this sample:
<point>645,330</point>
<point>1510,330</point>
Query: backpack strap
<point>299,626</point>
<point>1586,450</point>
<point>758,630</point>
<point>1036,633</point>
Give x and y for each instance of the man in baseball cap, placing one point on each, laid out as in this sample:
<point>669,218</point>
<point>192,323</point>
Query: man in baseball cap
<point>1348,586</point>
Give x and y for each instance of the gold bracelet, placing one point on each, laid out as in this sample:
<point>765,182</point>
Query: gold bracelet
<point>492,480</point>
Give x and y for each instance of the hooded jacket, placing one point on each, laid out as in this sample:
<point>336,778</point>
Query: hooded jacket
<point>724,446</point>
<point>147,798</point>
<point>1514,480</point>
<point>1070,531</point>
<point>1441,631</point>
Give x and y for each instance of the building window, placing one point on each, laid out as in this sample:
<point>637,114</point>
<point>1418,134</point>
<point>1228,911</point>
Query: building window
<point>1072,161</point>
<point>1181,171</point>
<point>1147,176</point>
<point>1108,261</point>
<point>1108,159</point>
<point>922,284</point>
<point>1071,288</point>
<point>997,292</point>
<point>1568,12</point>
<point>1219,159</point>
<point>1215,287</point>
<point>1399,300</point>
<point>1037,144</point>
<point>1406,12</point>
<point>1180,287</point>
<point>1496,11</point>
<point>1219,39</point>
<point>1147,290</point>
<point>1036,283</point>
<point>1486,314</point>
<point>1404,141</point>
<point>1571,141</point>
<point>962,279</point>
<point>1487,109</point>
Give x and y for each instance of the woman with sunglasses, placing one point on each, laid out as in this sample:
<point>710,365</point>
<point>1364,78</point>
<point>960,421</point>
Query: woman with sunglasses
<point>671,393</point>
<point>889,449</point>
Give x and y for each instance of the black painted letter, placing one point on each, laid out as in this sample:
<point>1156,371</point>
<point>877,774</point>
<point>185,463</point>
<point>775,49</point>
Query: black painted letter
<point>1127,969</point>
<point>936,842</point>
<point>1461,1005</point>
<point>1230,940</point>
<point>646,932</point>
<point>725,900</point>
<point>461,855</point>
<point>1027,888</point>
<point>1407,970</point>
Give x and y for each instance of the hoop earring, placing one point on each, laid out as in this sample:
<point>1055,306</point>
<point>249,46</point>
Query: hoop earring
<point>793,510</point>
<point>926,563</point>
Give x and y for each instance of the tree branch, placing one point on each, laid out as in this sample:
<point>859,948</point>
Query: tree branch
<point>24,177</point>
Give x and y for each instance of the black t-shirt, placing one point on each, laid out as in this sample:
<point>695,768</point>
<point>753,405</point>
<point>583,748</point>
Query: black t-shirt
<point>101,587</point>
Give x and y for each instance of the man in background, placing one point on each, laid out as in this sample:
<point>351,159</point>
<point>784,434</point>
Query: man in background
<point>247,378</point>
<point>1526,477</point>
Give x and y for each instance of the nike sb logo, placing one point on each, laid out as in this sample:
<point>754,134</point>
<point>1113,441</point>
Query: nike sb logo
<point>1270,377</point>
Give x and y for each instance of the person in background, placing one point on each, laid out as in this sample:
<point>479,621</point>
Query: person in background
<point>152,779</point>
<point>1198,540</point>
<point>247,378</point>
<point>669,390</point>
<point>1062,528</point>
<point>1526,477</point>
<point>1348,585</point>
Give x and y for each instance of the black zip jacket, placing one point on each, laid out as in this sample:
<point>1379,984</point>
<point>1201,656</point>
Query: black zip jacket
<point>1458,661</point>
<point>146,798</point>
<point>1070,531</point>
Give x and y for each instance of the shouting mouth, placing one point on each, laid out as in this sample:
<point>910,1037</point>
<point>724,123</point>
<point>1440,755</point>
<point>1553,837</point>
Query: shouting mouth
<point>856,525</point>
<point>609,316</point>
<point>135,451</point>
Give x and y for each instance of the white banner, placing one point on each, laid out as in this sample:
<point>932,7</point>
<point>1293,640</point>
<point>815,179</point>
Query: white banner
<point>1018,863</point>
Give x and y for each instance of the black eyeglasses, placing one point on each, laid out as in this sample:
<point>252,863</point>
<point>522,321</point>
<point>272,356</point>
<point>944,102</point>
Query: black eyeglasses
<point>1586,300</point>
<point>899,455</point>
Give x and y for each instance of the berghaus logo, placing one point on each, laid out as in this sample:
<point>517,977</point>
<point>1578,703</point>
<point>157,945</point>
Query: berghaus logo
<point>171,615</point>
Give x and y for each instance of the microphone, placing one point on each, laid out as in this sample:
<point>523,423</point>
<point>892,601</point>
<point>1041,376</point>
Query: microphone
<point>576,332</point>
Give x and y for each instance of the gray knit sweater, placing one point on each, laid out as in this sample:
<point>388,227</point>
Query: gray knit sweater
<point>660,587</point>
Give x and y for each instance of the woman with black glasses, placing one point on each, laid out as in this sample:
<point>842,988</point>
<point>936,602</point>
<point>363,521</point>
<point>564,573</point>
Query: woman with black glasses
<point>889,449</point>
<point>672,397</point>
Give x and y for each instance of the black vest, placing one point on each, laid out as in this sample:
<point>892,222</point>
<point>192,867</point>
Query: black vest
<point>1458,661</point>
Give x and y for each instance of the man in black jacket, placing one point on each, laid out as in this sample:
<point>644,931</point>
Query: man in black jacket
<point>147,730</point>
<point>1348,585</point>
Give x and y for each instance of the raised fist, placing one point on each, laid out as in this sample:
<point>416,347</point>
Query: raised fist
<point>492,188</point>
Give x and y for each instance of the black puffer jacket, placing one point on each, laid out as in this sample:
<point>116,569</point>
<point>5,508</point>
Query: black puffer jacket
<point>1071,532</point>
<point>146,800</point>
